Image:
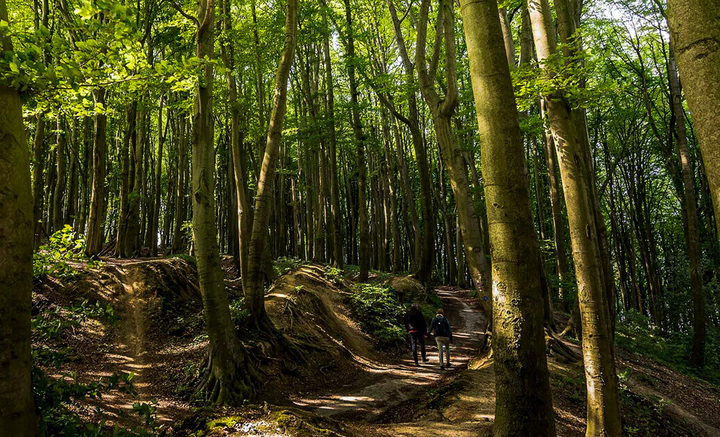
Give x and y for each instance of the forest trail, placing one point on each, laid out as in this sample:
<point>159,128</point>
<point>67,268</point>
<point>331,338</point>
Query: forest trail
<point>133,349</point>
<point>379,388</point>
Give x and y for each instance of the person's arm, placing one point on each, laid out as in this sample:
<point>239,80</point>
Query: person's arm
<point>450,330</point>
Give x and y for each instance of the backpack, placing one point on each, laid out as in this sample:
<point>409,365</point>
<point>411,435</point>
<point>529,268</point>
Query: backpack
<point>442,328</point>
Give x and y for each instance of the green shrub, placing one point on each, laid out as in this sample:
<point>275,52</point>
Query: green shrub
<point>238,312</point>
<point>63,246</point>
<point>380,313</point>
<point>334,274</point>
<point>283,265</point>
<point>54,320</point>
<point>53,396</point>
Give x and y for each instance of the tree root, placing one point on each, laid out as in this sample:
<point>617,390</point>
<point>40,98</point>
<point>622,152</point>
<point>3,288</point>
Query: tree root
<point>227,386</point>
<point>555,346</point>
<point>280,342</point>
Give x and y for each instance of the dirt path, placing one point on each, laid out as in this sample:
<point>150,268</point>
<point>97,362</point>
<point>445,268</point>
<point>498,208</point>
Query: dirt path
<point>378,387</point>
<point>133,350</point>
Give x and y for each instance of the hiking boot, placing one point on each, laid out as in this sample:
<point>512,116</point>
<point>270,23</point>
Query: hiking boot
<point>447,365</point>
<point>442,367</point>
<point>425,360</point>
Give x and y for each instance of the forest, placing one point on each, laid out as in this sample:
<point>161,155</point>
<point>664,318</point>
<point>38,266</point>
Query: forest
<point>229,217</point>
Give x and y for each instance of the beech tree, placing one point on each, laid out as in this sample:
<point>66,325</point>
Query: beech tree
<point>229,377</point>
<point>524,404</point>
<point>603,402</point>
<point>17,412</point>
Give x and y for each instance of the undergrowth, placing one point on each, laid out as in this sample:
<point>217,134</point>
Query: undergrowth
<point>640,416</point>
<point>381,313</point>
<point>56,397</point>
<point>53,259</point>
<point>634,332</point>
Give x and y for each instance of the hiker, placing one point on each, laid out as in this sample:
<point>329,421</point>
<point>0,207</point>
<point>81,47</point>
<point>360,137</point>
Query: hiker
<point>415,325</point>
<point>443,336</point>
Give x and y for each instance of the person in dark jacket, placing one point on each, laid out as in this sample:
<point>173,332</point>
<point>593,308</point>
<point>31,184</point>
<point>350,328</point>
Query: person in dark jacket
<point>443,336</point>
<point>415,325</point>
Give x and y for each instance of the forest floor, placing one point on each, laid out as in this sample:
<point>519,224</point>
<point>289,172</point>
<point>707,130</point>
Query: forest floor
<point>346,387</point>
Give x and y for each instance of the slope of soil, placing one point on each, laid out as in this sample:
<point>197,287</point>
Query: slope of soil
<point>377,386</point>
<point>344,386</point>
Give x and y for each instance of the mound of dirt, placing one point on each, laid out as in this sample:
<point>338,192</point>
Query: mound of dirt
<point>408,289</point>
<point>311,311</point>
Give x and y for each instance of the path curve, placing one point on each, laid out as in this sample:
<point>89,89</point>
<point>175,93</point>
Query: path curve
<point>378,387</point>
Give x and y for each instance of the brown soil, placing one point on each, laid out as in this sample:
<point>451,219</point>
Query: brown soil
<point>378,386</point>
<point>345,387</point>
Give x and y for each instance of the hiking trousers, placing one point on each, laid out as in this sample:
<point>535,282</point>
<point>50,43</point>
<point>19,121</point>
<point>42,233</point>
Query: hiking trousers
<point>415,338</point>
<point>443,343</point>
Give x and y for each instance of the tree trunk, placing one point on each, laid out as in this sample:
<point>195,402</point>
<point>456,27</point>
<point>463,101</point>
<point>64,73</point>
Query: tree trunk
<point>59,177</point>
<point>134,227</point>
<point>334,224</point>
<point>125,181</point>
<point>441,111</point>
<point>38,163</point>
<point>507,36</point>
<point>229,377</point>
<point>255,296</point>
<point>364,225</point>
<point>157,190</point>
<point>95,238</point>
<point>524,403</point>
<point>692,236</point>
<point>696,37</point>
<point>178,244</point>
<point>603,408</point>
<point>422,263</point>
<point>557,220</point>
<point>17,413</point>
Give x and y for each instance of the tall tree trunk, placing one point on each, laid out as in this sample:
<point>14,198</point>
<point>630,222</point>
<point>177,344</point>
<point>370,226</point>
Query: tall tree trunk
<point>94,240</point>
<point>242,201</point>
<point>178,244</point>
<point>524,402</point>
<point>74,195</point>
<point>17,412</point>
<point>696,36</point>
<point>229,377</point>
<point>334,224</point>
<point>539,192</point>
<point>255,296</point>
<point>692,236</point>
<point>364,225</point>
<point>157,190</point>
<point>507,36</point>
<point>557,220</point>
<point>441,111</point>
<point>86,173</point>
<point>134,226</point>
<point>59,195</point>
<point>128,144</point>
<point>603,407</point>
<point>422,264</point>
<point>38,164</point>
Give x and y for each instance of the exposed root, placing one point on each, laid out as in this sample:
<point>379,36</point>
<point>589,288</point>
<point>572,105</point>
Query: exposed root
<point>555,346</point>
<point>282,344</point>
<point>219,386</point>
